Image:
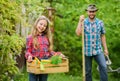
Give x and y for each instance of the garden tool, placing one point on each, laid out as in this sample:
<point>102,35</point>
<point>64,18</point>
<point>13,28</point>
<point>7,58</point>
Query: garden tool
<point>109,68</point>
<point>83,56</point>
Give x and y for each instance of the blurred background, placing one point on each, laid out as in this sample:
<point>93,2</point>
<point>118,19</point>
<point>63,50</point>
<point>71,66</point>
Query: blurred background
<point>17,18</point>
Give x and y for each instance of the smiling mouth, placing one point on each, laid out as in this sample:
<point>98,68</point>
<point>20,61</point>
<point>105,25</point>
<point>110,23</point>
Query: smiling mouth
<point>41,29</point>
<point>91,16</point>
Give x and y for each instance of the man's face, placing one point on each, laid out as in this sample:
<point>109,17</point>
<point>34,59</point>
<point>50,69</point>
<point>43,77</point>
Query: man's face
<point>91,14</point>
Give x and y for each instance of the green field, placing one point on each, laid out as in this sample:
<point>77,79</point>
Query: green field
<point>59,77</point>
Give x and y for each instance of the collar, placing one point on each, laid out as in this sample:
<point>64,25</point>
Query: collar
<point>41,34</point>
<point>88,22</point>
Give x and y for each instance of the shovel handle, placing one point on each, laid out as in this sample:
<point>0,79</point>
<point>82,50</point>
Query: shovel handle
<point>83,56</point>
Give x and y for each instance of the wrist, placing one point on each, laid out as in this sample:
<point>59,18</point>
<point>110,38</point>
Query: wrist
<point>80,24</point>
<point>105,49</point>
<point>80,21</point>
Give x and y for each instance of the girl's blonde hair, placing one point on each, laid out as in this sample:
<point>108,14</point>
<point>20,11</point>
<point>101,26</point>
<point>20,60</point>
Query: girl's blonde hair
<point>35,32</point>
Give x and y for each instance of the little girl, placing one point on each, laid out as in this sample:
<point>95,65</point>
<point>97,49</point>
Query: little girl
<point>38,45</point>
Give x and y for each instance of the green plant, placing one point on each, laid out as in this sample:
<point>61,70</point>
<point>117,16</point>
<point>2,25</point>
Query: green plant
<point>56,59</point>
<point>10,43</point>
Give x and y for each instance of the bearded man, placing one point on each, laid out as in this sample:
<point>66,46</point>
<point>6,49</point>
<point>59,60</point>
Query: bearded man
<point>94,40</point>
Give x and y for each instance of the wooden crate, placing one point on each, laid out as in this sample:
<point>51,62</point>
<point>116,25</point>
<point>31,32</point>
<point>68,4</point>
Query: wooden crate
<point>49,68</point>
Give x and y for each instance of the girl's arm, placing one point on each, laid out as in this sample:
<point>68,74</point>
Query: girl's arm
<point>57,53</point>
<point>28,47</point>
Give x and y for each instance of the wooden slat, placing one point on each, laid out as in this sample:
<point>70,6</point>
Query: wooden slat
<point>49,68</point>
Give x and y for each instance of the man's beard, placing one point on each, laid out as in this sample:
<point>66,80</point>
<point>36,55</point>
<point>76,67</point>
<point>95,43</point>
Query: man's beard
<point>92,18</point>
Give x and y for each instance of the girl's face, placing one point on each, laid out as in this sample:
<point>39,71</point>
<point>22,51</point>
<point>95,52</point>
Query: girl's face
<point>41,26</point>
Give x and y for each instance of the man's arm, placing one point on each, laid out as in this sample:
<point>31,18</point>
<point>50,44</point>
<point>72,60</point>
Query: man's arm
<point>103,39</point>
<point>79,27</point>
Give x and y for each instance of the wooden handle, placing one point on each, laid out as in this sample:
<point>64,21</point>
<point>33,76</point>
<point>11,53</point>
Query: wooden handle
<point>83,56</point>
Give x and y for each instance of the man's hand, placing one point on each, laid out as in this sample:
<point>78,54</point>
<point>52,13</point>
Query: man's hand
<point>80,25</point>
<point>82,17</point>
<point>106,52</point>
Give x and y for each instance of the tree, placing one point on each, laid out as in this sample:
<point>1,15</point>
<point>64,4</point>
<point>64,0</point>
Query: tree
<point>10,43</point>
<point>67,16</point>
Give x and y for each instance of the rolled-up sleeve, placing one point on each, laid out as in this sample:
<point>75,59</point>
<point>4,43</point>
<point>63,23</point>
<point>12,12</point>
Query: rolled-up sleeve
<point>28,47</point>
<point>54,53</point>
<point>102,27</point>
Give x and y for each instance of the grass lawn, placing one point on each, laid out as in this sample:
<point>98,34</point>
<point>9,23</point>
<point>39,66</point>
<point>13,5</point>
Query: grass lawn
<point>23,76</point>
<point>52,77</point>
<point>63,77</point>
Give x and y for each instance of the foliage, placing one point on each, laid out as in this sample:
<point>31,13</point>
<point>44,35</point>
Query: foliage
<point>10,43</point>
<point>65,40</point>
<point>56,59</point>
<point>12,13</point>
<point>67,17</point>
<point>32,9</point>
<point>9,47</point>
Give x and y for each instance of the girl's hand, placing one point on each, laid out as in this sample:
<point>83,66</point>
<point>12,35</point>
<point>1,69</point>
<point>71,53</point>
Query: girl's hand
<point>29,59</point>
<point>62,55</point>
